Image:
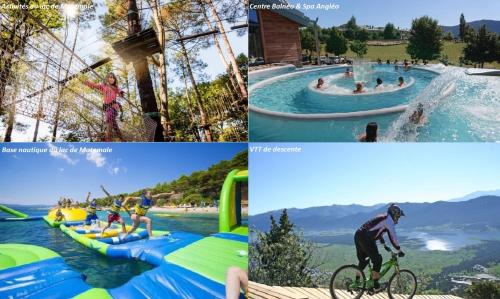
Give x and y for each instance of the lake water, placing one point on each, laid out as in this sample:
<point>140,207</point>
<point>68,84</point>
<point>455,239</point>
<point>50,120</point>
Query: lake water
<point>101,271</point>
<point>449,241</point>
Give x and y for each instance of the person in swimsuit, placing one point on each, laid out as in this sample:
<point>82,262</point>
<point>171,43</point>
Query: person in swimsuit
<point>369,233</point>
<point>114,215</point>
<point>139,214</point>
<point>92,213</point>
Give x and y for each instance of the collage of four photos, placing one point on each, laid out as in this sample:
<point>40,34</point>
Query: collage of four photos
<point>129,129</point>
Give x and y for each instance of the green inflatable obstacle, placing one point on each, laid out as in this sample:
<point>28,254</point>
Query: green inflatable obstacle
<point>211,257</point>
<point>13,255</point>
<point>12,212</point>
<point>232,194</point>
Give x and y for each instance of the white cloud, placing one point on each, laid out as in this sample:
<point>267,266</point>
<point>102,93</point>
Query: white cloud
<point>97,158</point>
<point>61,169</point>
<point>56,153</point>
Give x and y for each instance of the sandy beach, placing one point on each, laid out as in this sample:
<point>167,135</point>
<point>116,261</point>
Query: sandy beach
<point>197,210</point>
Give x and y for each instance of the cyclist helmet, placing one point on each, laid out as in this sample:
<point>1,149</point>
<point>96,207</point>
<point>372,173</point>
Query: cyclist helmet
<point>395,212</point>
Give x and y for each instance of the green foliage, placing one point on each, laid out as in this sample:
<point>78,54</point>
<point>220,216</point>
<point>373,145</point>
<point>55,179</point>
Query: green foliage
<point>483,290</point>
<point>362,35</point>
<point>425,39</point>
<point>448,36</point>
<point>359,47</point>
<point>204,185</point>
<point>462,27</point>
<point>307,39</point>
<point>336,43</point>
<point>281,256</point>
<point>482,47</point>
<point>351,29</point>
<point>390,32</point>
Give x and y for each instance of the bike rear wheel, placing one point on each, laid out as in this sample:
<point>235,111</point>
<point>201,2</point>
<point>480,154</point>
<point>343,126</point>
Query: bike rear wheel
<point>344,284</point>
<point>402,285</point>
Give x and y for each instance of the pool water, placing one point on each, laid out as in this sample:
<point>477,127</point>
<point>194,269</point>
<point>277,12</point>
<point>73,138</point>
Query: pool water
<point>101,271</point>
<point>457,107</point>
<point>296,94</point>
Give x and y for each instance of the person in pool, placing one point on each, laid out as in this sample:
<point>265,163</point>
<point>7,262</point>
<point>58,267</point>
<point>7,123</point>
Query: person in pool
<point>406,66</point>
<point>92,213</point>
<point>359,88</point>
<point>418,117</point>
<point>388,61</point>
<point>379,61</point>
<point>379,83</point>
<point>59,216</point>
<point>320,83</point>
<point>401,81</point>
<point>114,215</point>
<point>139,214</point>
<point>348,72</point>
<point>370,134</point>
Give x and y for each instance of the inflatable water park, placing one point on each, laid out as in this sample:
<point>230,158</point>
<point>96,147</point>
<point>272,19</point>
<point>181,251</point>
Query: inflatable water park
<point>18,216</point>
<point>186,265</point>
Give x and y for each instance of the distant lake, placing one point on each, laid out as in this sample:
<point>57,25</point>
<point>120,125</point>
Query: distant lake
<point>419,239</point>
<point>449,241</point>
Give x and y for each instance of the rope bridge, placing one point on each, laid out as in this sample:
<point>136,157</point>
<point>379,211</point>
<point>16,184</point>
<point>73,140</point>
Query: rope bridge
<point>42,78</point>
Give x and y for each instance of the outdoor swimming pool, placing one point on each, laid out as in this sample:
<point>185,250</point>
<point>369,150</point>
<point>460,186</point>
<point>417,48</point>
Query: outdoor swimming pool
<point>457,106</point>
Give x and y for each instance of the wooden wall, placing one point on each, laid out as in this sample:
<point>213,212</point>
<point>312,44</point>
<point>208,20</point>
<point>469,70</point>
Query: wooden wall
<point>280,38</point>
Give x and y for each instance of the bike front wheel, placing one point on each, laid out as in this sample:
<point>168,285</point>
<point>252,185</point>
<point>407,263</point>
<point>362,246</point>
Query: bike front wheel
<point>402,285</point>
<point>347,282</point>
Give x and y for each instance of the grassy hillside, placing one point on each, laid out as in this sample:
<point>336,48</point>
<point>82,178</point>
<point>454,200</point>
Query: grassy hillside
<point>199,186</point>
<point>452,49</point>
<point>433,268</point>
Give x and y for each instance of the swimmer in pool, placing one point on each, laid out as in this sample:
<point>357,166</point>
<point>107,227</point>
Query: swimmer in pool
<point>401,81</point>
<point>418,117</point>
<point>320,83</point>
<point>348,72</point>
<point>370,133</point>
<point>359,88</point>
<point>379,83</point>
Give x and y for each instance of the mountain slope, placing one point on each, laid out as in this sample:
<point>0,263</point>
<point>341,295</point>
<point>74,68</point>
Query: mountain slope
<point>491,25</point>
<point>477,213</point>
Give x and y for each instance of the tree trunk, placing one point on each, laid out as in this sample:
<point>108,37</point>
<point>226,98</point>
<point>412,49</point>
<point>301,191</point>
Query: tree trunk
<point>61,89</point>
<point>162,68</point>
<point>230,53</point>
<point>199,101</point>
<point>10,122</point>
<point>39,113</point>
<point>194,126</point>
<point>219,51</point>
<point>143,77</point>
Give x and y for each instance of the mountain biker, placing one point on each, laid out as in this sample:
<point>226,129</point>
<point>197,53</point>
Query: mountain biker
<point>366,238</point>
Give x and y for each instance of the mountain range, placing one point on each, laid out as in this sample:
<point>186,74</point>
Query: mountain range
<point>479,213</point>
<point>491,25</point>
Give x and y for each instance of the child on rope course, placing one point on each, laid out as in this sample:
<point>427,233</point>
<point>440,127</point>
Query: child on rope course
<point>110,92</point>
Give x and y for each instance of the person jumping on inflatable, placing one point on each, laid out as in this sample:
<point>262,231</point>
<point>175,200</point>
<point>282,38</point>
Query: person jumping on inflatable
<point>139,214</point>
<point>110,92</point>
<point>114,214</point>
<point>92,213</point>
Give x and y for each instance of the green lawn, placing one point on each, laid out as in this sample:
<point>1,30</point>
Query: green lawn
<point>453,50</point>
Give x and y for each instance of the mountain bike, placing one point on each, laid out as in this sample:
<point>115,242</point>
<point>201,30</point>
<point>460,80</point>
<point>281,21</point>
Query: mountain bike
<point>349,281</point>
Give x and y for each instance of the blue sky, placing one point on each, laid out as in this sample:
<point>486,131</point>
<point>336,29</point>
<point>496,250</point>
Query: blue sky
<point>367,174</point>
<point>29,178</point>
<point>401,12</point>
